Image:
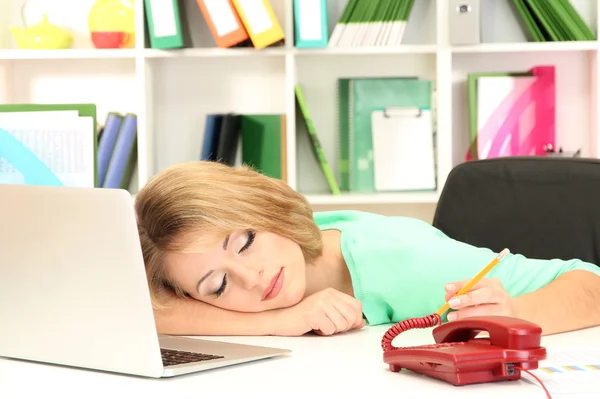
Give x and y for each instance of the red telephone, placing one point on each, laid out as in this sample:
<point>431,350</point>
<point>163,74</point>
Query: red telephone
<point>458,357</point>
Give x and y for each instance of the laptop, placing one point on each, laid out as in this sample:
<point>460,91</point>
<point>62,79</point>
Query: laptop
<point>74,289</point>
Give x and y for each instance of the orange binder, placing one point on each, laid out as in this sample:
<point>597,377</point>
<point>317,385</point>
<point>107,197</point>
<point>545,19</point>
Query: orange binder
<point>223,21</point>
<point>260,22</point>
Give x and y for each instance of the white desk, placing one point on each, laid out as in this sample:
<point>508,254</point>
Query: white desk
<point>343,366</point>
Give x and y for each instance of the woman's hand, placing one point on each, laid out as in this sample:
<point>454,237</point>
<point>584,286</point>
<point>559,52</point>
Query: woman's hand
<point>326,312</point>
<point>488,297</point>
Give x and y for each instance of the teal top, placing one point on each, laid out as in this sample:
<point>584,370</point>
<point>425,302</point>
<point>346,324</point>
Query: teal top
<point>399,265</point>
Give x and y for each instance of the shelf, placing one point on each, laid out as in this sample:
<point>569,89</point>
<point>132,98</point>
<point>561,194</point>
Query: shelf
<point>67,54</point>
<point>173,90</point>
<point>373,198</point>
<point>404,49</point>
<point>214,52</point>
<point>528,47</point>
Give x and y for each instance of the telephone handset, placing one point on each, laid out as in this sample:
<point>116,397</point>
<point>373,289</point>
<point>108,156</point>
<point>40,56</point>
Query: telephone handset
<point>460,358</point>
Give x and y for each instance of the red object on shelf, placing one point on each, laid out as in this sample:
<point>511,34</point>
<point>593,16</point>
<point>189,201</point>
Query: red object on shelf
<point>111,39</point>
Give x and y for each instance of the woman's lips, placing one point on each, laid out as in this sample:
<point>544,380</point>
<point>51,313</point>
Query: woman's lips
<point>274,286</point>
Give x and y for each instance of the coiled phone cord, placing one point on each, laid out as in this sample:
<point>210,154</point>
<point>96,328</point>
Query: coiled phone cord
<point>432,320</point>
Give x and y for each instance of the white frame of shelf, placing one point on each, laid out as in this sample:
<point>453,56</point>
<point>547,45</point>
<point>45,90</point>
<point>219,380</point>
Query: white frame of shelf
<point>144,74</point>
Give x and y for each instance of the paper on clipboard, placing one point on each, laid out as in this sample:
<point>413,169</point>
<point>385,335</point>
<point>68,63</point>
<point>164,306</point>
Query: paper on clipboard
<point>403,149</point>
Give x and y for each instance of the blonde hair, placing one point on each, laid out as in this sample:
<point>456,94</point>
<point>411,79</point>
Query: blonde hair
<point>196,203</point>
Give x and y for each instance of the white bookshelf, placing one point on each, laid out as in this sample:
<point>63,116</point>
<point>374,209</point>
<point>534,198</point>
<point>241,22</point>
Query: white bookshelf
<point>172,91</point>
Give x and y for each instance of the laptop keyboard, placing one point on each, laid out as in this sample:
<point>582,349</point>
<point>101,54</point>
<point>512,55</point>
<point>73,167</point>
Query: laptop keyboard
<point>171,357</point>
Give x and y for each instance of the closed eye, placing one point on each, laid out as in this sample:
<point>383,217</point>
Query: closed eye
<point>249,241</point>
<point>221,289</point>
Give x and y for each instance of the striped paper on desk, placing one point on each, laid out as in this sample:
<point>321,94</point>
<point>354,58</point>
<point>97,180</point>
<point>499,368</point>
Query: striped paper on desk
<point>569,371</point>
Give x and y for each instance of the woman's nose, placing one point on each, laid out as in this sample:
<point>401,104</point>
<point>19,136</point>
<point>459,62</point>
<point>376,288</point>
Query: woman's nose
<point>250,277</point>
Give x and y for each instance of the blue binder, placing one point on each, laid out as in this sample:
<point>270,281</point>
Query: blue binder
<point>310,23</point>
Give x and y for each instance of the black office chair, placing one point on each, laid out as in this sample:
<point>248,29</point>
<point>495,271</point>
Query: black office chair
<point>541,207</point>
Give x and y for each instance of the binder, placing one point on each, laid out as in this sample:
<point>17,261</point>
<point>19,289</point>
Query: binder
<point>124,157</point>
<point>106,144</point>
<point>229,139</point>
<point>311,26</point>
<point>403,149</point>
<point>210,142</point>
<point>23,129</point>
<point>464,23</point>
<point>264,144</point>
<point>223,21</point>
<point>260,22</point>
<point>164,24</point>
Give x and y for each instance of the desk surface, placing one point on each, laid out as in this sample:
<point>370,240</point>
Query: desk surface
<point>343,365</point>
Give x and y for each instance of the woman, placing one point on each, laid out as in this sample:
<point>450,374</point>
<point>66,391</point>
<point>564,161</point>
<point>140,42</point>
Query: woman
<point>229,251</point>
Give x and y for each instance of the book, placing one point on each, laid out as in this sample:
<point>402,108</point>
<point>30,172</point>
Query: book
<point>256,140</point>
<point>316,144</point>
<point>48,144</point>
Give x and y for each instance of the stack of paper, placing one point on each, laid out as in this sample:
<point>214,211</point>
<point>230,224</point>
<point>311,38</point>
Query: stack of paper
<point>51,145</point>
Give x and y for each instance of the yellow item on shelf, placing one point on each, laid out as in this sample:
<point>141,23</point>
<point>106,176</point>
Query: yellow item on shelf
<point>43,36</point>
<point>111,24</point>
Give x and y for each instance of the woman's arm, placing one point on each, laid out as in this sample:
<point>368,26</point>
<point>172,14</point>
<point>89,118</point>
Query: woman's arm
<point>570,302</point>
<point>185,316</point>
<point>326,312</point>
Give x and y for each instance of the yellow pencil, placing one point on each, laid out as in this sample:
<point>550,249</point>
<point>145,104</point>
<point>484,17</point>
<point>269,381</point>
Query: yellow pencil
<point>476,279</point>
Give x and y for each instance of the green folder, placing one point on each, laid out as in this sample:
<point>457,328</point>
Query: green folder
<point>262,143</point>
<point>357,99</point>
<point>158,38</point>
<point>87,110</point>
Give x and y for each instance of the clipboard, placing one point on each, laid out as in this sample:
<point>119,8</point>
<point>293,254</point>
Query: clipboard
<point>403,149</point>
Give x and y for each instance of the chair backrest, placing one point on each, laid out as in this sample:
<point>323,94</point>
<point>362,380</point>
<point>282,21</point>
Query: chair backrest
<point>541,207</point>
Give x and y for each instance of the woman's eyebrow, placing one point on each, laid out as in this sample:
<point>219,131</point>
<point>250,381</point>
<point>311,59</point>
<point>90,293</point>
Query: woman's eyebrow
<point>202,280</point>
<point>225,242</point>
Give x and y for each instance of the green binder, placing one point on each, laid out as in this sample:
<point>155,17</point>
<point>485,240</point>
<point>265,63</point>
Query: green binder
<point>263,141</point>
<point>358,98</point>
<point>164,34</point>
<point>87,110</point>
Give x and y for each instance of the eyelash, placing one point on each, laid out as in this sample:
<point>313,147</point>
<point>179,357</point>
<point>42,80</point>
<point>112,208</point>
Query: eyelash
<point>221,289</point>
<point>251,236</point>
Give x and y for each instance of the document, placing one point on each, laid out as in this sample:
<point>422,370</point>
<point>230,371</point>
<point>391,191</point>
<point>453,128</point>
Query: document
<point>569,371</point>
<point>47,148</point>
